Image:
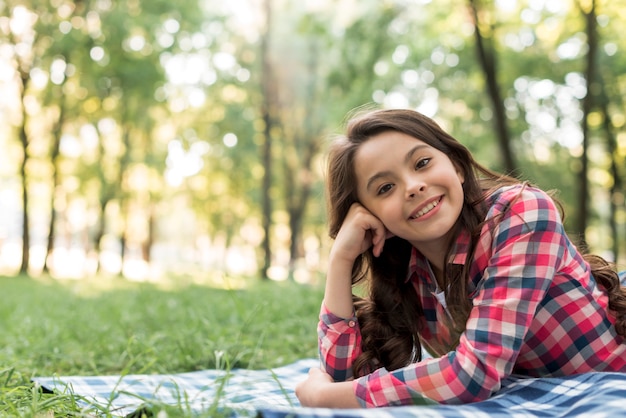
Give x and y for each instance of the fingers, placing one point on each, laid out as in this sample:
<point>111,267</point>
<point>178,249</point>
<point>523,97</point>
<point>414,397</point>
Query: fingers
<point>360,231</point>
<point>307,389</point>
<point>318,373</point>
<point>378,241</point>
<point>379,234</point>
<point>373,229</point>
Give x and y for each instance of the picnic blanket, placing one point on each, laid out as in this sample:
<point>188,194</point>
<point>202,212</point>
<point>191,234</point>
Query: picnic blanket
<point>270,394</point>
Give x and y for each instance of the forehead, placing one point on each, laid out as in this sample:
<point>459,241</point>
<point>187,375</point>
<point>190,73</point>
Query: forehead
<point>383,153</point>
<point>384,147</point>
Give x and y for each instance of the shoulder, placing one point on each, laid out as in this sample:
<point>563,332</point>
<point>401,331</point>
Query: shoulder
<point>521,209</point>
<point>521,198</point>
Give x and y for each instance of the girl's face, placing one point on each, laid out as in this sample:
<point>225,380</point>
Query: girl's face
<point>413,188</point>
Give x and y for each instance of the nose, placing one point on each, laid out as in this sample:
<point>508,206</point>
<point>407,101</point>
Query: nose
<point>414,186</point>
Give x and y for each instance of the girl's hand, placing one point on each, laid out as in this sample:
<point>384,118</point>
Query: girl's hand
<point>319,391</point>
<point>359,231</point>
<point>309,391</point>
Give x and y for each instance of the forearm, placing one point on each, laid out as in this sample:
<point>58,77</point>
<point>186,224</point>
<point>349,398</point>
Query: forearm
<point>338,395</point>
<point>319,391</point>
<point>360,231</point>
<point>338,290</point>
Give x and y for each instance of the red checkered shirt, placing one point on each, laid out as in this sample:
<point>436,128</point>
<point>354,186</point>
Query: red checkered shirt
<point>537,311</point>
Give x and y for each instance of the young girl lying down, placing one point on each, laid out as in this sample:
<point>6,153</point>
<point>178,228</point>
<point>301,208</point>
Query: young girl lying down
<point>471,265</point>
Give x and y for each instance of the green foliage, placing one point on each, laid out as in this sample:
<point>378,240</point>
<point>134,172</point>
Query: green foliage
<point>109,326</point>
<point>108,65</point>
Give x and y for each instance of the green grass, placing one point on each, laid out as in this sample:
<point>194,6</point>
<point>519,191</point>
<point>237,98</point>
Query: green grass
<point>110,326</point>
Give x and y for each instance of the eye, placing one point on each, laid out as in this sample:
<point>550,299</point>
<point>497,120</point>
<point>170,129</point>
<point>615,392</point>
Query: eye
<point>423,162</point>
<point>384,188</point>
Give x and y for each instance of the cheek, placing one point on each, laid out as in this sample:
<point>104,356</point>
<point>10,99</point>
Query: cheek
<point>388,212</point>
<point>460,196</point>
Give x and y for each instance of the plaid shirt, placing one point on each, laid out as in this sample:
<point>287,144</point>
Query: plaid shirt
<point>537,311</point>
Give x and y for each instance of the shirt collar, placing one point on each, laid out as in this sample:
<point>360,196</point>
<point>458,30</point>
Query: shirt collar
<point>419,264</point>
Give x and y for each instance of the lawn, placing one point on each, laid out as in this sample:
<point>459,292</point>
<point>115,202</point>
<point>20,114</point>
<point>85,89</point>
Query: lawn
<point>111,326</point>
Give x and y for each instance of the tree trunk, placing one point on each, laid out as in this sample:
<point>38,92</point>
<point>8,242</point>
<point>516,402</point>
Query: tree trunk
<point>122,193</point>
<point>123,246</point>
<point>54,160</point>
<point>105,196</point>
<point>588,102</point>
<point>97,239</point>
<point>267,90</point>
<point>616,187</point>
<point>296,221</point>
<point>487,61</point>
<point>25,78</point>
<point>297,201</point>
<point>146,248</point>
<point>614,195</point>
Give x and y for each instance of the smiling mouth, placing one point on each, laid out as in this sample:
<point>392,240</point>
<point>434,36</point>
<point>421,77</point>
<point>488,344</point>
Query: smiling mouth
<point>426,209</point>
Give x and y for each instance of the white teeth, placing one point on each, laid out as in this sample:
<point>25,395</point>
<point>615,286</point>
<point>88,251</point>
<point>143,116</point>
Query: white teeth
<point>426,209</point>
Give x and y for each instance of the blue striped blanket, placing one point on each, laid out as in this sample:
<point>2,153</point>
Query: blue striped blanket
<point>270,394</point>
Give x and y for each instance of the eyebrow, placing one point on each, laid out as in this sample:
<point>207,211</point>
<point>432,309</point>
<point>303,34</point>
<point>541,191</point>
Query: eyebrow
<point>407,159</point>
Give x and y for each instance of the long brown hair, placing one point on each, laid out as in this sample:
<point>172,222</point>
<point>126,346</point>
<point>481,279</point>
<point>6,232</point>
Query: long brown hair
<point>389,315</point>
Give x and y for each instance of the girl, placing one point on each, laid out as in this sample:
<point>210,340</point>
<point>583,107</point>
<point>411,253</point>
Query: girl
<point>471,265</point>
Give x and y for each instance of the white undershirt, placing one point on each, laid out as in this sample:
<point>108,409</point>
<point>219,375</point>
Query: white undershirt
<point>441,297</point>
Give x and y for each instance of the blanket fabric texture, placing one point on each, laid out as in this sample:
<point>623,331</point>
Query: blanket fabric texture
<point>270,394</point>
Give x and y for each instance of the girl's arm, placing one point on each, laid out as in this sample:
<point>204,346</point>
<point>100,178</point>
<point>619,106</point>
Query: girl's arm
<point>320,391</point>
<point>339,334</point>
<point>359,231</point>
<point>338,289</point>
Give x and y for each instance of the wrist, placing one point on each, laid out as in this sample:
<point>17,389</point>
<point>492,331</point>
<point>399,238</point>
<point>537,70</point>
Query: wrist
<point>344,258</point>
<point>338,395</point>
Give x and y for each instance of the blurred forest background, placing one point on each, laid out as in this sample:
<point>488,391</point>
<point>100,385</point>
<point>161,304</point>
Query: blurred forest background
<point>149,138</point>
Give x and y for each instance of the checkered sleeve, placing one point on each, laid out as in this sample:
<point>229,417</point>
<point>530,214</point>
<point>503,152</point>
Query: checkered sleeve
<point>517,259</point>
<point>339,344</point>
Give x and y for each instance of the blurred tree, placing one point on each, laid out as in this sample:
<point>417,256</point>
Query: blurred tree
<point>588,9</point>
<point>24,67</point>
<point>26,48</point>
<point>206,107</point>
<point>268,88</point>
<point>616,199</point>
<point>608,118</point>
<point>302,141</point>
<point>57,62</point>
<point>483,21</point>
<point>118,67</point>
<point>298,112</point>
<point>55,159</point>
<point>127,49</point>
<point>21,38</point>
